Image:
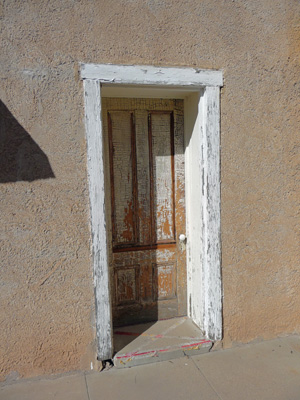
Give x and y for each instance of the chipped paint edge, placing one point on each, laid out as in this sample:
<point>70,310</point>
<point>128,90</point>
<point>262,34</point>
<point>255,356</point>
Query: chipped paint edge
<point>150,75</point>
<point>93,125</point>
<point>211,207</point>
<point>202,143</point>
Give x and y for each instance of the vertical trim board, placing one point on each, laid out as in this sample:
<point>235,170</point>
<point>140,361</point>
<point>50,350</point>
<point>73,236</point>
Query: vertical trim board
<point>194,219</point>
<point>211,283</point>
<point>94,137</point>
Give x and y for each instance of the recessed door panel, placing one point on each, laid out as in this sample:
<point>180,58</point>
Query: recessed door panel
<point>162,146</point>
<point>144,141</point>
<point>121,131</point>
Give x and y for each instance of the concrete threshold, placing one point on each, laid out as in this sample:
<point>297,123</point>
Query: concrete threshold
<point>158,341</point>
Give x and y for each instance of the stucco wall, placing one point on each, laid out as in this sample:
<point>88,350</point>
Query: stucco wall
<point>47,303</point>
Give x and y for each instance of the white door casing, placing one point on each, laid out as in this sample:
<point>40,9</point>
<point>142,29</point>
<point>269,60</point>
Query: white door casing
<point>201,92</point>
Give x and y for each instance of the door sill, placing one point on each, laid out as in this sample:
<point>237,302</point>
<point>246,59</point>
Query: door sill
<point>158,341</point>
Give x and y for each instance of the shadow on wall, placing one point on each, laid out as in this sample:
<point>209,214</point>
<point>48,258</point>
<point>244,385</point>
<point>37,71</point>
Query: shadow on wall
<point>21,159</point>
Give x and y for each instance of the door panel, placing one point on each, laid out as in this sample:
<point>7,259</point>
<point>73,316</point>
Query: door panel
<point>143,176</point>
<point>164,280</point>
<point>162,149</point>
<point>122,176</point>
<point>145,168</point>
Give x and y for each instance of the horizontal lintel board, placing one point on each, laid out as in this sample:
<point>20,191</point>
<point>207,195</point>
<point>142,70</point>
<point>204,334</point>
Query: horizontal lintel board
<point>149,75</point>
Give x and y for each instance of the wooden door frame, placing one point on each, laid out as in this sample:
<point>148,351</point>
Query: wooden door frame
<point>201,91</point>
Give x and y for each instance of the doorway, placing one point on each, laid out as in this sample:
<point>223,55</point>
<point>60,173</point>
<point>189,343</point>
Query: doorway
<point>201,92</point>
<point>145,174</point>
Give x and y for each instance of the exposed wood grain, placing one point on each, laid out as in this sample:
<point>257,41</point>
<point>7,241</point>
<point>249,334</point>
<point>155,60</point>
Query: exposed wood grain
<point>119,75</point>
<point>164,281</point>
<point>163,176</point>
<point>193,157</point>
<point>180,205</point>
<point>203,212</point>
<point>111,176</point>
<point>150,143</point>
<point>149,75</point>
<point>98,223</point>
<point>143,175</point>
<point>172,145</point>
<point>127,281</point>
<point>153,252</point>
<point>134,182</point>
<point>122,174</point>
<point>146,247</point>
<point>211,216</point>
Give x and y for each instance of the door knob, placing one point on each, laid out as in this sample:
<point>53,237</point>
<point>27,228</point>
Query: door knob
<point>182,237</point>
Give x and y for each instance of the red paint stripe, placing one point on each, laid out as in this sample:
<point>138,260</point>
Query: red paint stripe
<point>128,355</point>
<point>136,354</point>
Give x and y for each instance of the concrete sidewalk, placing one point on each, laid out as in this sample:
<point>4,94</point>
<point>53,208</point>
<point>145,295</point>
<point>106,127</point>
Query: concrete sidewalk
<point>262,371</point>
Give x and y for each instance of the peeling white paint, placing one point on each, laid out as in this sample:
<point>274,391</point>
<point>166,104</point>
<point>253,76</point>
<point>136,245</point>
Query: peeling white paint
<point>93,127</point>
<point>211,266</point>
<point>193,136</point>
<point>203,187</point>
<point>203,211</point>
<point>149,75</point>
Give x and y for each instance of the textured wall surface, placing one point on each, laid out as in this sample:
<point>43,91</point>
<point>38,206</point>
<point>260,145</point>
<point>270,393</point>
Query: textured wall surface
<point>47,301</point>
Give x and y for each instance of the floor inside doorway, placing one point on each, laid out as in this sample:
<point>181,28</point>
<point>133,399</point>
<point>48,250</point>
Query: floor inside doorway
<point>158,341</point>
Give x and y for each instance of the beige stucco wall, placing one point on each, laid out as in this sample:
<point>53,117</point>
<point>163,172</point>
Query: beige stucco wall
<point>47,303</point>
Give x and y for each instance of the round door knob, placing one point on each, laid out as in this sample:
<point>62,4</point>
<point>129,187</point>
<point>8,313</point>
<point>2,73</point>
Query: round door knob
<point>182,237</point>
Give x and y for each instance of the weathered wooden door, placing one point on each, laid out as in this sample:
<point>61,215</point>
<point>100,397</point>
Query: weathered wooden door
<point>145,186</point>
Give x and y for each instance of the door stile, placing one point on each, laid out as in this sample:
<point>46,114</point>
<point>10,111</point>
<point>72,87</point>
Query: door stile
<point>152,227</point>
<point>111,174</point>
<point>134,182</point>
<point>173,168</point>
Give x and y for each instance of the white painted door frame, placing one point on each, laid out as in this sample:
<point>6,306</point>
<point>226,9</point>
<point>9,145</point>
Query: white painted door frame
<point>201,91</point>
